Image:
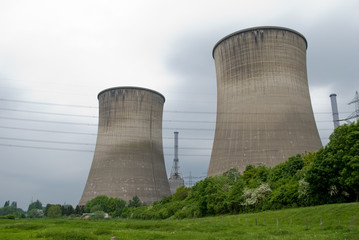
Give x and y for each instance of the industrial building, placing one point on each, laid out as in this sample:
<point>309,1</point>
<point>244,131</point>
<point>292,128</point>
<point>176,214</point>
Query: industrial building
<point>264,112</point>
<point>128,159</point>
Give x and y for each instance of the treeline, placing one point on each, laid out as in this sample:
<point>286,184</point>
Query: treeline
<point>330,175</point>
<point>11,211</point>
<point>36,210</point>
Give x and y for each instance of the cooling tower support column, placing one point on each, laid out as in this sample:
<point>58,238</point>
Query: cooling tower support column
<point>333,100</point>
<point>128,159</point>
<point>264,113</point>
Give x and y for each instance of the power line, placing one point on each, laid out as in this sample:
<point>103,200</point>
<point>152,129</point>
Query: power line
<point>120,118</point>
<point>182,129</point>
<point>86,144</point>
<point>88,151</point>
<point>48,113</point>
<point>92,107</point>
<point>46,103</point>
<point>80,150</point>
<point>46,141</point>
<point>47,121</point>
<point>44,148</point>
<point>49,131</point>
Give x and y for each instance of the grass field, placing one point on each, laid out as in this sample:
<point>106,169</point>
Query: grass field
<point>337,221</point>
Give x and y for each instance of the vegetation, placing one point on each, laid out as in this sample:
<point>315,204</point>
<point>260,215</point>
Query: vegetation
<point>330,175</point>
<point>35,205</point>
<point>334,221</point>
<point>11,211</point>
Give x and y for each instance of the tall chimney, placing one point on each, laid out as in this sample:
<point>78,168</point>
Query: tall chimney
<point>333,100</point>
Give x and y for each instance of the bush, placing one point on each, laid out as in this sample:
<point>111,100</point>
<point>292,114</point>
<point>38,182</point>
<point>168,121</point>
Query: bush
<point>54,211</point>
<point>100,202</point>
<point>10,216</point>
<point>35,213</point>
<point>98,215</point>
<point>11,210</point>
<point>188,211</point>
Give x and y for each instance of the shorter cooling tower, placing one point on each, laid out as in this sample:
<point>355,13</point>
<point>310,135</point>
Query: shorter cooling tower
<point>264,113</point>
<point>128,159</point>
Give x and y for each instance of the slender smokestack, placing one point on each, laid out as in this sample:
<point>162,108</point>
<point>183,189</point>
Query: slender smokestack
<point>333,99</point>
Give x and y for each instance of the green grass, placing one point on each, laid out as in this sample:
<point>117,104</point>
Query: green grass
<point>339,221</point>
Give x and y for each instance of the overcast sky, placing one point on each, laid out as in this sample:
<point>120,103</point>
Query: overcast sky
<point>56,56</point>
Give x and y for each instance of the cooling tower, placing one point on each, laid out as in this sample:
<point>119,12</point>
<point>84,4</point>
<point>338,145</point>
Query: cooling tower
<point>264,113</point>
<point>128,159</point>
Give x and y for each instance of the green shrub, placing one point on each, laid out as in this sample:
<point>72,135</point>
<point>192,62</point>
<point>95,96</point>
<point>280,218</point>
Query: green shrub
<point>54,211</point>
<point>35,213</point>
<point>99,215</point>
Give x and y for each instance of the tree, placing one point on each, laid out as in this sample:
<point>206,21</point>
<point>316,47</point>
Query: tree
<point>350,174</point>
<point>286,170</point>
<point>100,202</point>
<point>35,205</point>
<point>35,213</point>
<point>255,176</point>
<point>252,197</point>
<point>79,209</point>
<point>67,210</point>
<point>233,174</point>
<point>284,195</point>
<point>47,208</point>
<point>7,203</point>
<point>14,204</point>
<point>180,194</point>
<point>11,210</point>
<point>236,195</point>
<point>211,195</point>
<point>54,211</point>
<point>116,206</point>
<point>333,176</point>
<point>135,202</point>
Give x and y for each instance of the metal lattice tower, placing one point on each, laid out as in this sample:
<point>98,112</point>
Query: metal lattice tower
<point>175,167</point>
<point>175,179</point>
<point>355,114</point>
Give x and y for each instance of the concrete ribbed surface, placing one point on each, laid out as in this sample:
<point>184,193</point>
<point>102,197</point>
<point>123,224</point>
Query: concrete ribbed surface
<point>264,112</point>
<point>128,159</point>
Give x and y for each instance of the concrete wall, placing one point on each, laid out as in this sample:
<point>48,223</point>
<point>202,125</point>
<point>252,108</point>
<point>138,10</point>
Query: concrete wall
<point>128,158</point>
<point>264,113</point>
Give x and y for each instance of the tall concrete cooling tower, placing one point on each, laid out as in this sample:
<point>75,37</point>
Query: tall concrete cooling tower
<point>128,159</point>
<point>264,113</point>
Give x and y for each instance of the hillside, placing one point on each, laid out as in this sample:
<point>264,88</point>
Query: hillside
<point>334,221</point>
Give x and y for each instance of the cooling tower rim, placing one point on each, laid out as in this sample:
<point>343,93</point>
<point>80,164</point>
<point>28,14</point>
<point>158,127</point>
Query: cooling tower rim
<point>258,28</point>
<point>134,88</point>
